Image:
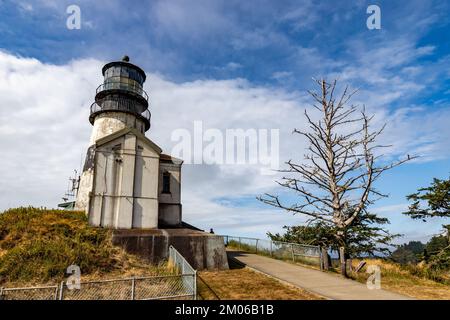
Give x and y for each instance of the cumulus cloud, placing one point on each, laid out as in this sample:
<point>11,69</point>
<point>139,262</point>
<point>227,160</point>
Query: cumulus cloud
<point>45,130</point>
<point>43,126</point>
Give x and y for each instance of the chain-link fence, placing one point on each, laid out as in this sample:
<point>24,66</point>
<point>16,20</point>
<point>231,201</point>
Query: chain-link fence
<point>30,293</point>
<point>181,266</point>
<point>180,285</point>
<point>296,252</point>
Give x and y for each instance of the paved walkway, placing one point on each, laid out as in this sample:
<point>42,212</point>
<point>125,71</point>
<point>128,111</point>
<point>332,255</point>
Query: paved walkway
<point>325,284</point>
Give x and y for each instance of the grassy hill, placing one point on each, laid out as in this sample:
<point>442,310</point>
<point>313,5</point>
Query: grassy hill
<point>408,280</point>
<point>37,245</point>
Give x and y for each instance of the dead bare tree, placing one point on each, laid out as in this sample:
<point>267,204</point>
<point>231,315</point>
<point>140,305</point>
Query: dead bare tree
<point>335,183</point>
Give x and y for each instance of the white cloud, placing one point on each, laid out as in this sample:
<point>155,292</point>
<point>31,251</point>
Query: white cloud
<point>44,132</point>
<point>281,75</point>
<point>26,6</point>
<point>43,126</point>
<point>304,16</point>
<point>233,65</point>
<point>401,207</point>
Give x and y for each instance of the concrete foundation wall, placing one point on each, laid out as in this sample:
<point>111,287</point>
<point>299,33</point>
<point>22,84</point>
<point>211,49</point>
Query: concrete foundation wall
<point>202,250</point>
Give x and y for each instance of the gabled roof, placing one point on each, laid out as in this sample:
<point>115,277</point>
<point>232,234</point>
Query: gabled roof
<point>124,131</point>
<point>170,159</point>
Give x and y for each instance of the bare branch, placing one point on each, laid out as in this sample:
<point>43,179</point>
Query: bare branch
<point>336,184</point>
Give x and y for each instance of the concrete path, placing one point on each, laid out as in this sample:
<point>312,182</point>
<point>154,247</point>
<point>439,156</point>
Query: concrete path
<point>328,285</point>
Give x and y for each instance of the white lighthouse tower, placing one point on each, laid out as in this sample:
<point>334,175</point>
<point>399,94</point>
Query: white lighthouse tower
<point>126,181</point>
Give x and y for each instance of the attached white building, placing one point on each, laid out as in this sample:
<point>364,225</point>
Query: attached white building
<point>134,184</point>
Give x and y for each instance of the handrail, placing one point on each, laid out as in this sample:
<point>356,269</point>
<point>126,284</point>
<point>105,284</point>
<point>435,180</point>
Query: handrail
<point>309,251</point>
<point>186,269</point>
<point>121,85</point>
<point>178,259</point>
<point>95,107</point>
<point>275,241</point>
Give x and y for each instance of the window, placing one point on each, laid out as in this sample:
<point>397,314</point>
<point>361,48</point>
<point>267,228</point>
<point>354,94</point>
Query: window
<point>166,182</point>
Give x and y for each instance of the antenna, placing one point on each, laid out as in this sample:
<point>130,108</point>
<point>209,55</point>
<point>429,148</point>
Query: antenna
<point>73,186</point>
<point>81,162</point>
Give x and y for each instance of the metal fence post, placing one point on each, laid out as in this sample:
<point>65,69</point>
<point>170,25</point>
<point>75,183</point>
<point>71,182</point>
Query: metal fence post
<point>133,286</point>
<point>175,263</point>
<point>239,243</point>
<point>292,251</point>
<point>320,258</point>
<point>256,245</point>
<point>195,285</point>
<point>56,293</point>
<point>61,289</point>
<point>271,251</point>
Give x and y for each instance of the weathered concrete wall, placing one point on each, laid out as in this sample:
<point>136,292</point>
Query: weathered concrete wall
<point>145,214</point>
<point>202,250</point>
<point>110,122</point>
<point>85,187</point>
<point>169,215</point>
<point>125,191</point>
<point>170,203</point>
<point>104,125</point>
<point>174,196</point>
<point>127,194</point>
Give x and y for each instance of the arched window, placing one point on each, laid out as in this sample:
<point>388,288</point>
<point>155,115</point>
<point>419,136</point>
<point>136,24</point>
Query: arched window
<point>166,182</point>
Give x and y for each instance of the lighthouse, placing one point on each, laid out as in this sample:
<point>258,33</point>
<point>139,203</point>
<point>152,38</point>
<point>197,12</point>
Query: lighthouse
<point>127,182</point>
<point>129,185</point>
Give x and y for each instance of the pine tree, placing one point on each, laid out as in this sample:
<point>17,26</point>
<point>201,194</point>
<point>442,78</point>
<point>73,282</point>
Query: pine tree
<point>365,237</point>
<point>436,197</point>
<point>433,202</point>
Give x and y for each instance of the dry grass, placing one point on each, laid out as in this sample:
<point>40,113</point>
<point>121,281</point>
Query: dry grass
<point>397,279</point>
<point>37,245</point>
<point>245,284</point>
<point>132,266</point>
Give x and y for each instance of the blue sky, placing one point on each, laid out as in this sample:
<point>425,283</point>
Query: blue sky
<point>269,48</point>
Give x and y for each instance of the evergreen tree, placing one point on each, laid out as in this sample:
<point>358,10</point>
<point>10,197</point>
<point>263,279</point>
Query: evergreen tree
<point>407,253</point>
<point>404,256</point>
<point>436,197</point>
<point>365,237</point>
<point>433,202</point>
<point>436,244</point>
